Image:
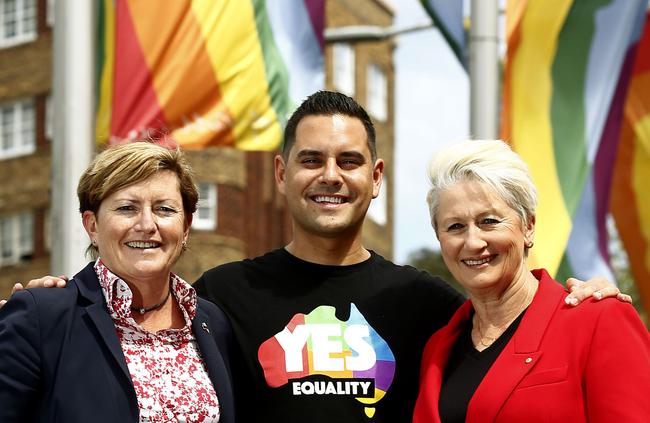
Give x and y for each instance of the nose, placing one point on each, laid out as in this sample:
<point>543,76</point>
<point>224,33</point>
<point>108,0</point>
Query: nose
<point>474,240</point>
<point>331,172</point>
<point>146,222</point>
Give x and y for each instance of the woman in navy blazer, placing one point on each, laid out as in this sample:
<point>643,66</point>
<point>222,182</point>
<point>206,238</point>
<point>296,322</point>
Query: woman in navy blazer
<point>516,352</point>
<point>128,340</point>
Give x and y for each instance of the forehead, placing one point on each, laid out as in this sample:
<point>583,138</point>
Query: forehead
<point>331,134</point>
<point>468,197</point>
<point>163,183</point>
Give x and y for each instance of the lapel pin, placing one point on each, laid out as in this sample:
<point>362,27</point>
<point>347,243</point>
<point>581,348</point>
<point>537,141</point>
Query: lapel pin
<point>528,360</point>
<point>204,326</point>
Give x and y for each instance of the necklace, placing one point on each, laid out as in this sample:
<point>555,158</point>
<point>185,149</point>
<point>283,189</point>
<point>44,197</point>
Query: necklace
<point>143,310</point>
<point>490,340</point>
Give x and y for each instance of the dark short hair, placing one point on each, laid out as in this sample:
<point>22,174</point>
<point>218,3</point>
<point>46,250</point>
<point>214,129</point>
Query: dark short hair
<point>328,103</point>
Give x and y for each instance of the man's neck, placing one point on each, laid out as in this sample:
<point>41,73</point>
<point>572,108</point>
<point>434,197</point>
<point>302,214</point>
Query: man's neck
<point>329,251</point>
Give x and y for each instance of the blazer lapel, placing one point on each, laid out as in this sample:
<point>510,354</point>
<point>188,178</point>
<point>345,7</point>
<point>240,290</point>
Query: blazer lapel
<point>98,316</point>
<point>437,357</point>
<point>214,363</point>
<point>519,356</point>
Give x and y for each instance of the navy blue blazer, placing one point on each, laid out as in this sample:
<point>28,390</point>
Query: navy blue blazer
<point>61,360</point>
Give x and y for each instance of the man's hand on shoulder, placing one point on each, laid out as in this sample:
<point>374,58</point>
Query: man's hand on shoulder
<point>44,282</point>
<point>596,287</point>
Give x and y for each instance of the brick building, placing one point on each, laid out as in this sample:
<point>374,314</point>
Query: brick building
<point>240,212</point>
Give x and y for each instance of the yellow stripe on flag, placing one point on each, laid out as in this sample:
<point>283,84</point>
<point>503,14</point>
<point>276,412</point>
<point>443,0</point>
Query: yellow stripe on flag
<point>105,100</point>
<point>531,126</point>
<point>235,52</point>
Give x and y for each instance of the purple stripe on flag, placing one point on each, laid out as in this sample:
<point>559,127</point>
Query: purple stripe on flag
<point>606,155</point>
<point>316,10</point>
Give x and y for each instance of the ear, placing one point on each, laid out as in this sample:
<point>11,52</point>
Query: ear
<point>188,224</point>
<point>529,230</point>
<point>89,220</point>
<point>377,175</point>
<point>280,169</point>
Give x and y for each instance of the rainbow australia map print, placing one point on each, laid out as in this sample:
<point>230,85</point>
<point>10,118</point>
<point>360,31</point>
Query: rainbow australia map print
<point>351,357</point>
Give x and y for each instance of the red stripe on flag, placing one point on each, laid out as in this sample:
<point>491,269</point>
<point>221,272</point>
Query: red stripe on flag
<point>135,105</point>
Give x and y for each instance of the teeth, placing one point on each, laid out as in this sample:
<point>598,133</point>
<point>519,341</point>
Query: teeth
<point>142,244</point>
<point>477,262</point>
<point>328,199</point>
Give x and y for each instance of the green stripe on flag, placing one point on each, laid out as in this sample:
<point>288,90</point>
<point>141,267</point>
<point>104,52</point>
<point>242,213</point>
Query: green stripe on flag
<point>276,71</point>
<point>101,48</point>
<point>568,117</point>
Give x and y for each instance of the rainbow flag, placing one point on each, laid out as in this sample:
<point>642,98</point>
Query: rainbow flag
<point>564,63</point>
<point>630,200</point>
<point>206,73</point>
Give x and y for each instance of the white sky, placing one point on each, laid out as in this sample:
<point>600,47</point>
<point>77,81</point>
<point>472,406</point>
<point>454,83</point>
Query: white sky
<point>431,110</point>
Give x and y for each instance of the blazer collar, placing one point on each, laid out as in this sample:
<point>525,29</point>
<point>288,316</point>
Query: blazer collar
<point>521,354</point>
<point>214,362</point>
<point>91,293</point>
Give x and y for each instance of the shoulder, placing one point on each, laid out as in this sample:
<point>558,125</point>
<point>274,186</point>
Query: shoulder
<point>236,268</point>
<point>213,311</point>
<point>224,278</point>
<point>417,279</point>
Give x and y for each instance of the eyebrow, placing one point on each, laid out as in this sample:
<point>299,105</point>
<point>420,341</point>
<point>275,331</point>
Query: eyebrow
<point>346,154</point>
<point>305,153</point>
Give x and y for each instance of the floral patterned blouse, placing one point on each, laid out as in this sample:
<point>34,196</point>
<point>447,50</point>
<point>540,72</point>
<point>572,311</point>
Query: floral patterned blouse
<point>169,377</point>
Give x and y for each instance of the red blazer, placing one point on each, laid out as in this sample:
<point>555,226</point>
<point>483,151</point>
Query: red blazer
<point>563,364</point>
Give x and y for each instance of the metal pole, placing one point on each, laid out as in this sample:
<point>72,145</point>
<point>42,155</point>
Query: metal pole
<point>484,69</point>
<point>73,115</point>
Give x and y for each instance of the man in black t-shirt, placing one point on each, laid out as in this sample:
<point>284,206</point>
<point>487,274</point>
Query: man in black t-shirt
<point>328,331</point>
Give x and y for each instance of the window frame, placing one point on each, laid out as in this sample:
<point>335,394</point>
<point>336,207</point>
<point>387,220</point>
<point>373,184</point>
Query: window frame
<point>344,68</point>
<point>21,239</point>
<point>22,36</point>
<point>21,145</point>
<point>377,92</point>
<point>208,203</point>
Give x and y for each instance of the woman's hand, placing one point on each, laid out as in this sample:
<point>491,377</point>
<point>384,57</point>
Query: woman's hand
<point>597,287</point>
<point>44,282</point>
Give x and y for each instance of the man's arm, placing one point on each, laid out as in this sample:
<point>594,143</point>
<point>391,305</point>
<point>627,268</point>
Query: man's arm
<point>596,287</point>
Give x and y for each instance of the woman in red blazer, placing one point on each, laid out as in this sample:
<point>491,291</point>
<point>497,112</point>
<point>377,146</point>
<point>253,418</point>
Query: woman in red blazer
<point>515,351</point>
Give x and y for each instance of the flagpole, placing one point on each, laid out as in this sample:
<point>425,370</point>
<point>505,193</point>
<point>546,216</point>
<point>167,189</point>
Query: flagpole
<point>73,145</point>
<point>484,69</point>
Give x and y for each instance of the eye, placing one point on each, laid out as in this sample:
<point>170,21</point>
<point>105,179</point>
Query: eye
<point>489,221</point>
<point>454,227</point>
<point>125,208</point>
<point>167,210</point>
<point>349,164</point>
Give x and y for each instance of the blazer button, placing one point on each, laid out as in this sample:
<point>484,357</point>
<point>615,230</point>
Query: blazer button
<point>204,326</point>
<point>528,360</point>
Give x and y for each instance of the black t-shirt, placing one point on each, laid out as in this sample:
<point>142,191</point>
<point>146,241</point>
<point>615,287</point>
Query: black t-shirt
<point>325,343</point>
<point>465,371</point>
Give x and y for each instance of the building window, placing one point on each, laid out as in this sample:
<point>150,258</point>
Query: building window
<point>343,68</point>
<point>205,217</point>
<point>378,210</point>
<point>377,92</point>
<point>16,238</point>
<point>17,22</point>
<point>17,129</point>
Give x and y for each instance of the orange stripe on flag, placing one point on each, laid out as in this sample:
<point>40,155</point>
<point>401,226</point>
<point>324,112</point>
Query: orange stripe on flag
<point>184,79</point>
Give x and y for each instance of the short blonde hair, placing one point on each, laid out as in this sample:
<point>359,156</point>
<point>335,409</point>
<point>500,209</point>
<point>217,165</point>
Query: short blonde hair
<point>491,162</point>
<point>122,165</point>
